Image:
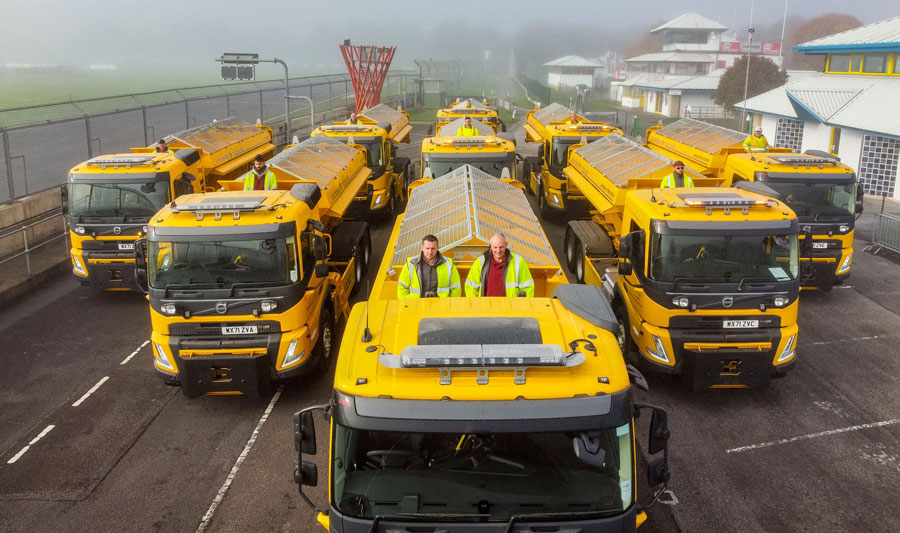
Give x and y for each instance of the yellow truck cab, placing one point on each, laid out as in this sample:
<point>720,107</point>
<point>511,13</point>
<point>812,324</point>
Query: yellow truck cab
<point>704,281</point>
<point>481,111</point>
<point>494,153</point>
<point>821,190</point>
<point>245,287</point>
<point>381,129</point>
<point>479,414</point>
<point>543,175</point>
<point>109,199</point>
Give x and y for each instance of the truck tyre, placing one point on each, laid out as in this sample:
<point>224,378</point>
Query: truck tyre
<point>361,257</point>
<point>623,335</point>
<point>546,214</point>
<point>571,244</point>
<point>579,264</point>
<point>324,347</point>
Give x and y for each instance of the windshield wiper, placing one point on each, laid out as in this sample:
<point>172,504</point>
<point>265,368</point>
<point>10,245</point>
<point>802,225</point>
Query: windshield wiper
<point>752,279</point>
<point>565,515</point>
<point>422,517</point>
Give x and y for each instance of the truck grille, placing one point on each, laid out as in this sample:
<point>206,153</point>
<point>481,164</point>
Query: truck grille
<point>215,328</point>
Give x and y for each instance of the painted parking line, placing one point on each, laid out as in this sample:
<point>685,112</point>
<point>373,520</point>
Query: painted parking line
<point>237,464</point>
<point>854,339</point>
<point>92,391</point>
<point>141,347</point>
<point>17,456</point>
<point>814,435</point>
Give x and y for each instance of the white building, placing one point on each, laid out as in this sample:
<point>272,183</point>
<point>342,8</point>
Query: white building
<point>570,71</point>
<point>672,96</point>
<point>850,109</point>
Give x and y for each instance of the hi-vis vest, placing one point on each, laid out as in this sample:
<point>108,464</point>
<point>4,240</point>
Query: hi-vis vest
<point>357,123</point>
<point>518,278</point>
<point>669,181</point>
<point>250,179</point>
<point>408,286</point>
<point>463,131</point>
<point>755,143</point>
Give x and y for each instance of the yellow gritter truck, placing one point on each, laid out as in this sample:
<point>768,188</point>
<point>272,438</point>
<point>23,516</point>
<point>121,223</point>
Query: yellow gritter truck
<point>109,199</point>
<point>543,175</point>
<point>245,287</point>
<point>481,111</point>
<point>494,153</point>
<point>704,281</point>
<point>479,414</point>
<point>821,190</point>
<point>381,129</point>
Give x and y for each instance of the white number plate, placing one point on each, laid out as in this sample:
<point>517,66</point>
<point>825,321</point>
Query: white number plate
<point>126,246</point>
<point>820,245</point>
<point>238,330</point>
<point>732,324</point>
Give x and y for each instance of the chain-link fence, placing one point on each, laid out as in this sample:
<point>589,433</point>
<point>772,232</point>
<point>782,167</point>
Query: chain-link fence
<point>39,144</point>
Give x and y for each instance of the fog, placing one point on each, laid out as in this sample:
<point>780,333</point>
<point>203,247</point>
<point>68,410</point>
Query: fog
<point>307,34</point>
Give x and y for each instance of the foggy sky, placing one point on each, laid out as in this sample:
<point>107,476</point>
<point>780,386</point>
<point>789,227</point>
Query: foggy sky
<point>307,33</point>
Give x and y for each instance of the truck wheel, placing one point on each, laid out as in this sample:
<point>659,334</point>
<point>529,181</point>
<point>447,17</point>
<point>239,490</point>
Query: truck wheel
<point>325,345</point>
<point>623,334</point>
<point>571,243</point>
<point>579,264</point>
<point>361,256</point>
<point>524,176</point>
<point>546,214</point>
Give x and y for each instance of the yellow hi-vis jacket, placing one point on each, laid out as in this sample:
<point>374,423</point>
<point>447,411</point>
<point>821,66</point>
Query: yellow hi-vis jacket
<point>357,123</point>
<point>463,131</point>
<point>270,183</point>
<point>448,284</point>
<point>669,181</point>
<point>518,278</point>
<point>754,143</point>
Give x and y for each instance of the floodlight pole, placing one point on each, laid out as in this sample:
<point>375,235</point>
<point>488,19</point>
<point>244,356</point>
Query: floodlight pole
<point>287,100</point>
<point>749,55</point>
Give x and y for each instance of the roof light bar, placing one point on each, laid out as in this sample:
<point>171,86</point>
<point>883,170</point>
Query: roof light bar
<point>725,202</point>
<point>347,127</point>
<point>802,160</point>
<point>127,161</point>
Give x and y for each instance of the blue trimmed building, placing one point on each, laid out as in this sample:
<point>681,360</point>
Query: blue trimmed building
<point>851,109</point>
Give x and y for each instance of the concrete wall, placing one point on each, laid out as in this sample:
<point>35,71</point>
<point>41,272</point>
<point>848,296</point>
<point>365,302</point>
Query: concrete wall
<point>14,214</point>
<point>816,136</point>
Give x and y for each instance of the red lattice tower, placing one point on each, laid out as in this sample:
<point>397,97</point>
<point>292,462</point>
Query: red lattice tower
<point>368,67</point>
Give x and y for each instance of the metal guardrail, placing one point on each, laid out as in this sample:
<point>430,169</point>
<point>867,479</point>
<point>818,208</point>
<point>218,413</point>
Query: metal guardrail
<point>887,232</point>
<point>23,228</point>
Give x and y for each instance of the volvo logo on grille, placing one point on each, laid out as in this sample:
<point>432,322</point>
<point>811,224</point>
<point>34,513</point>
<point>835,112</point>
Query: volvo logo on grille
<point>727,302</point>
<point>807,228</point>
<point>117,230</point>
<point>221,308</point>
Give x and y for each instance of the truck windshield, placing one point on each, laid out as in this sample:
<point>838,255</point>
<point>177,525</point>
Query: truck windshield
<point>222,263</point>
<point>817,199</point>
<point>373,153</point>
<point>494,167</point>
<point>723,259</point>
<point>560,155</point>
<point>384,472</point>
<point>117,199</point>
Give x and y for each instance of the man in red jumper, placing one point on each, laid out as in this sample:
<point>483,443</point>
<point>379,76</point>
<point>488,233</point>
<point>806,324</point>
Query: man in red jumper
<point>506,273</point>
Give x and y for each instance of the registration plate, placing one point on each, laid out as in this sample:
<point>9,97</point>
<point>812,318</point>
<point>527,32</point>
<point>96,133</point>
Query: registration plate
<point>238,330</point>
<point>126,246</point>
<point>737,324</point>
<point>820,245</point>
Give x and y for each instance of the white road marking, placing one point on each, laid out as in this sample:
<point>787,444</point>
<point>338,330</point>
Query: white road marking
<point>141,347</point>
<point>814,435</point>
<point>843,287</point>
<point>237,464</point>
<point>30,444</point>
<point>854,339</point>
<point>92,391</point>
<point>672,501</point>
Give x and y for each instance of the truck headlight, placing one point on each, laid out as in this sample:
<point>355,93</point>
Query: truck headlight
<point>161,358</point>
<point>788,351</point>
<point>844,228</point>
<point>555,199</point>
<point>660,352</point>
<point>77,266</point>
<point>79,230</point>
<point>780,301</point>
<point>378,199</point>
<point>681,301</point>
<point>292,356</point>
<point>845,266</point>
<point>267,306</point>
<point>168,309</point>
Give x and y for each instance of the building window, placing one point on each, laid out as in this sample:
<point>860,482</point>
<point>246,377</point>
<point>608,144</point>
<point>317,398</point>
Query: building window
<point>839,63</point>
<point>896,63</point>
<point>875,63</point>
<point>789,134</point>
<point>878,165</point>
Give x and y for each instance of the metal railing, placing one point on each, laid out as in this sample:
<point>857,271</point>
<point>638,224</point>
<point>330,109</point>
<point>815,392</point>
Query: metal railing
<point>887,232</point>
<point>29,247</point>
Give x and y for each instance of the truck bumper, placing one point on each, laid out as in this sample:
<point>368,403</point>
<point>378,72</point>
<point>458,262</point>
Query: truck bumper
<point>110,275</point>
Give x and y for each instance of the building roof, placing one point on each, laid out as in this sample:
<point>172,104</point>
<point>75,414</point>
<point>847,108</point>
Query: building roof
<point>706,82</point>
<point>573,61</point>
<point>690,21</point>
<point>682,57</point>
<point>883,35</point>
<point>845,101</point>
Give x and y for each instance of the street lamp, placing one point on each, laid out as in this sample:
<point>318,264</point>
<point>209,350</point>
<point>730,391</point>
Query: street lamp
<point>243,67</point>
<point>747,77</point>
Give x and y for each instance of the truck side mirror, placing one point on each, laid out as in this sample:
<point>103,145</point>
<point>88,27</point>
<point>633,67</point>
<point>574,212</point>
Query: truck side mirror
<point>657,467</point>
<point>64,197</point>
<point>320,248</point>
<point>659,431</point>
<point>625,250</point>
<point>304,432</point>
<point>860,195</point>
<point>140,264</point>
<point>306,472</point>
